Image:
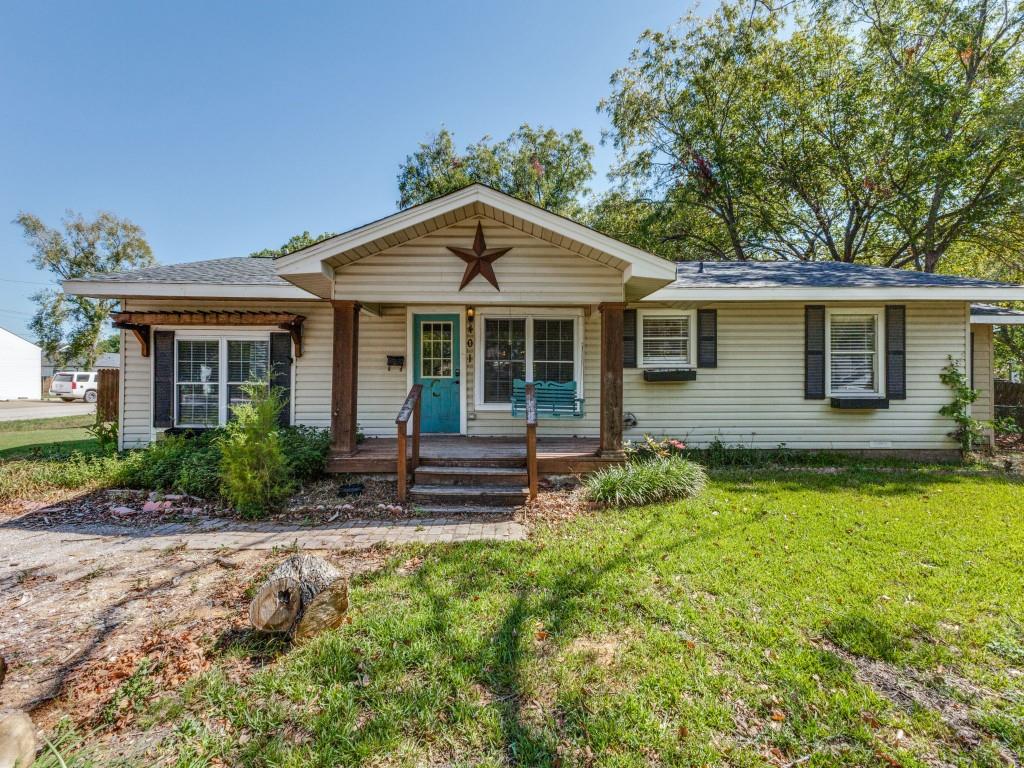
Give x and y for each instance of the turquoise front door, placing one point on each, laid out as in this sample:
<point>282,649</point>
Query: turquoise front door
<point>435,346</point>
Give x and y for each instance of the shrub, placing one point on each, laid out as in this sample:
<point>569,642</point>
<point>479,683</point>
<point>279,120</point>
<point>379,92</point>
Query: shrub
<point>199,471</point>
<point>649,447</point>
<point>306,450</point>
<point>254,472</point>
<point>183,463</point>
<point>105,433</point>
<point>647,481</point>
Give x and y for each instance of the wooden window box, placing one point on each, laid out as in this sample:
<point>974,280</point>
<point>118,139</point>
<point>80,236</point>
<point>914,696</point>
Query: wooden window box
<point>860,403</point>
<point>670,374</point>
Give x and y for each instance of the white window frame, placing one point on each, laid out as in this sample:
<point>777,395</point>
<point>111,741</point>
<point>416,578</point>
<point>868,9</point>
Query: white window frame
<point>222,340</point>
<point>691,314</point>
<point>879,315</point>
<point>511,313</point>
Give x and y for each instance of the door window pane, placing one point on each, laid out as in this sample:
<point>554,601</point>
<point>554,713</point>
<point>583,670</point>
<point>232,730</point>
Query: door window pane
<point>504,357</point>
<point>553,345</point>
<point>436,349</point>
<point>198,392</point>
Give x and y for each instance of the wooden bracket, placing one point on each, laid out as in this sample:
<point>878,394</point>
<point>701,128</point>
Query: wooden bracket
<point>141,333</point>
<point>294,327</point>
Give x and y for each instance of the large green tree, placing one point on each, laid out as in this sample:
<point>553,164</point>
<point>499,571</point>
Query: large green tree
<point>295,243</point>
<point>886,132</point>
<point>535,164</point>
<point>71,327</point>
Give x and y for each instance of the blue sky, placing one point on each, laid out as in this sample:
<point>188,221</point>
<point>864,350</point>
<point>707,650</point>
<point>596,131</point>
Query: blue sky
<point>223,128</point>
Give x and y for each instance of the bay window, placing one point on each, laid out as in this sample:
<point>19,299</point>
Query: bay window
<point>535,347</point>
<point>210,374</point>
<point>853,345</point>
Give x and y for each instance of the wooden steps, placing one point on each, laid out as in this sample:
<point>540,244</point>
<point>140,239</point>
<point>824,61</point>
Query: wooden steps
<point>431,474</point>
<point>468,495</point>
<point>470,482</point>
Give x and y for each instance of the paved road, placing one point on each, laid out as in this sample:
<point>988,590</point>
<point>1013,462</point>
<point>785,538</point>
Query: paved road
<point>16,410</point>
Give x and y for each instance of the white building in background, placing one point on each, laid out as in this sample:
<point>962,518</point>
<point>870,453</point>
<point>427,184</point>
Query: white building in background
<point>20,367</point>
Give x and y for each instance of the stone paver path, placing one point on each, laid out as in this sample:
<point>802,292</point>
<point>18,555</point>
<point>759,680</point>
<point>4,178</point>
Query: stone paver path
<point>31,547</point>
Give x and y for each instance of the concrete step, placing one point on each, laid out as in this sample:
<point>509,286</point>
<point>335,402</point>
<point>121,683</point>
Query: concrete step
<point>431,475</point>
<point>468,495</point>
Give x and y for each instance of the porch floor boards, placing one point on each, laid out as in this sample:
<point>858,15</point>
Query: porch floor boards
<point>555,455</point>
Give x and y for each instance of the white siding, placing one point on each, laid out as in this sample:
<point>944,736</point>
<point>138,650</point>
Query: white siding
<point>533,272</point>
<point>381,392</point>
<point>984,406</point>
<point>754,397</point>
<point>136,428</point>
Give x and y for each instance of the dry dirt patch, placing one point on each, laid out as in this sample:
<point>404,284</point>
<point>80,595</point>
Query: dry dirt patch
<point>81,625</point>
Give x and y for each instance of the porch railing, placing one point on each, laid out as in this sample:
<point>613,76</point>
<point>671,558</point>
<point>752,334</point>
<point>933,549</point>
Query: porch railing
<point>531,438</point>
<point>410,410</point>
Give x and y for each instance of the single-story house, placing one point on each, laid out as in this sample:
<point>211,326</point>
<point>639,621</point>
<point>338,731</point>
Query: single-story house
<point>474,293</point>
<point>19,374</point>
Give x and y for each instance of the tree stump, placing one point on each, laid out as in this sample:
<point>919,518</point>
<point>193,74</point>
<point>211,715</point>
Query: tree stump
<point>17,740</point>
<point>304,595</point>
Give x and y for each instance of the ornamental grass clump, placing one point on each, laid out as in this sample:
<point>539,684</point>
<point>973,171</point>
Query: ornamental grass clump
<point>647,481</point>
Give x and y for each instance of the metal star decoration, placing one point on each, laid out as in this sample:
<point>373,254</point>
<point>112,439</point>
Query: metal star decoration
<point>479,259</point>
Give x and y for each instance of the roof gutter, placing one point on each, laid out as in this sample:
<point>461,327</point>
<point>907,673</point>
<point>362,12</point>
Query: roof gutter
<point>834,293</point>
<point>116,289</point>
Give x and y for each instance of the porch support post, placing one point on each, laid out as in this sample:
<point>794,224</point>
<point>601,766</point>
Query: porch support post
<point>611,378</point>
<point>345,377</point>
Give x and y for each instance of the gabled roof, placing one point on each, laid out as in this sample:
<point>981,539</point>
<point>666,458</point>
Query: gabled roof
<point>821,280</point>
<point>240,276</point>
<point>990,314</point>
<point>313,267</point>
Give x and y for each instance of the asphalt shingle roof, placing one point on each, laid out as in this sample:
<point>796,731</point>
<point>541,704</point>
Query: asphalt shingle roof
<point>238,270</point>
<point>817,274</point>
<point>991,310</point>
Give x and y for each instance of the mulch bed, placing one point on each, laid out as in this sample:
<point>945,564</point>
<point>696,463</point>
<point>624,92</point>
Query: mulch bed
<point>316,504</point>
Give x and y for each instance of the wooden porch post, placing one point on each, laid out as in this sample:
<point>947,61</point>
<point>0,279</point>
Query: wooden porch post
<point>611,378</point>
<point>345,377</point>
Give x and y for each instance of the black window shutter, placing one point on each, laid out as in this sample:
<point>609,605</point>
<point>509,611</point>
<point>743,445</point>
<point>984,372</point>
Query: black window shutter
<point>707,338</point>
<point>629,338</point>
<point>896,352</point>
<point>163,379</point>
<point>814,352</point>
<point>281,371</point>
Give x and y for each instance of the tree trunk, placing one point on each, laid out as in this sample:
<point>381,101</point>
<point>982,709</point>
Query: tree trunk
<point>304,595</point>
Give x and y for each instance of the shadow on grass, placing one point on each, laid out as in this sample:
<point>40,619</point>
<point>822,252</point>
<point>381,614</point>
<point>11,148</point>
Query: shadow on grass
<point>51,449</point>
<point>867,481</point>
<point>258,648</point>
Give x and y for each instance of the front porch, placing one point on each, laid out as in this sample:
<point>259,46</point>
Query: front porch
<point>555,455</point>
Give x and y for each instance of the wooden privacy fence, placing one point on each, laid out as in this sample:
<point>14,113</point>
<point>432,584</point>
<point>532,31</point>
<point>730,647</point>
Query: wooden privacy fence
<point>1010,400</point>
<point>107,384</point>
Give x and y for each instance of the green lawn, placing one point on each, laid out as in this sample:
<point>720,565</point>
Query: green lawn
<point>34,436</point>
<point>694,633</point>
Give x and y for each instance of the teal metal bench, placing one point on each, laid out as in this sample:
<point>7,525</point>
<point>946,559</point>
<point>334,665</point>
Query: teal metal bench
<point>555,400</point>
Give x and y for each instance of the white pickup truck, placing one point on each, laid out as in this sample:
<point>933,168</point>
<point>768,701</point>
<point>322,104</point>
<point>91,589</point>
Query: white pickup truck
<point>74,385</point>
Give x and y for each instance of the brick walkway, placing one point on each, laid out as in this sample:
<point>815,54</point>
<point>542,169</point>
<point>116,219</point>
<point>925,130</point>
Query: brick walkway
<point>30,547</point>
